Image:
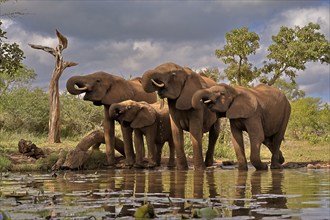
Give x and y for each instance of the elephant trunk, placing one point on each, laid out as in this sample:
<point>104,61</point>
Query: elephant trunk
<point>75,86</point>
<point>200,98</point>
<point>148,81</point>
<point>114,111</point>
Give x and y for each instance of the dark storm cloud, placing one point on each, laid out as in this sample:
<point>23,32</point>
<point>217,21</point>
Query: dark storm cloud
<point>163,20</point>
<point>128,37</point>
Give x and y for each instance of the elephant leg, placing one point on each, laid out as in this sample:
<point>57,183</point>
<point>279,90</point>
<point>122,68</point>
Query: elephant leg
<point>171,159</point>
<point>213,137</point>
<point>237,140</point>
<point>159,149</point>
<point>139,148</point>
<point>128,145</point>
<point>152,151</point>
<point>256,135</point>
<point>181,159</point>
<point>109,136</point>
<point>196,135</point>
<point>277,156</point>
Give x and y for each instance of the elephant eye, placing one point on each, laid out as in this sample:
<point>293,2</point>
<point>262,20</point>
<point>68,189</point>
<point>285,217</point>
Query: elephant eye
<point>173,73</point>
<point>222,93</point>
<point>98,80</point>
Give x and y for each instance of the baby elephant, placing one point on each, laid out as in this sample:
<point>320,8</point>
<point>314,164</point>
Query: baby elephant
<point>149,120</point>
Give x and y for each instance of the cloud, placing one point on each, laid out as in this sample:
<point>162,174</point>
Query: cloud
<point>129,37</point>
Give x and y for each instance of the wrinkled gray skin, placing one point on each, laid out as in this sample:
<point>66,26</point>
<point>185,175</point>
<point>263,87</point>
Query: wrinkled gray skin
<point>178,84</point>
<point>146,120</point>
<point>105,89</point>
<point>262,111</point>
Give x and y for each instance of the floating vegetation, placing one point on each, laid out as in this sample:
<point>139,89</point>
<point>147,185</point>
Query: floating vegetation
<point>165,194</point>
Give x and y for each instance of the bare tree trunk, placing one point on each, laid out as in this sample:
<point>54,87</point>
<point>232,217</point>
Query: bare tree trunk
<point>54,135</point>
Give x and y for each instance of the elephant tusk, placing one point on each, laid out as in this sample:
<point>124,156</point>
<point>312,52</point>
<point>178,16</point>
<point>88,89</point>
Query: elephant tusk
<point>80,88</point>
<point>207,101</point>
<point>157,84</point>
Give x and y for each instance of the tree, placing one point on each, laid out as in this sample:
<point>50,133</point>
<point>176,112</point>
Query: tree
<point>240,43</point>
<point>290,89</point>
<point>212,73</point>
<point>11,56</point>
<point>292,48</point>
<point>53,90</point>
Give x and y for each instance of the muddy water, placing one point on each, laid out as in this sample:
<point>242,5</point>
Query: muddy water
<point>109,194</point>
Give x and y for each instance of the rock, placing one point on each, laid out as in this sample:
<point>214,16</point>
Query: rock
<point>28,148</point>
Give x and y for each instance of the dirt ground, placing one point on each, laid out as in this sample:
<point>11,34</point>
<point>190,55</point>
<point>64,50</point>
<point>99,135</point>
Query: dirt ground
<point>19,159</point>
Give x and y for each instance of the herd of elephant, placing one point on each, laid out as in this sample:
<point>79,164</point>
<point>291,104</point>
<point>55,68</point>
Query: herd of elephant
<point>195,103</point>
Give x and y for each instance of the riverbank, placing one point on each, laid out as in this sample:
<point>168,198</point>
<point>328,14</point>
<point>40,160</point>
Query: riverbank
<point>297,154</point>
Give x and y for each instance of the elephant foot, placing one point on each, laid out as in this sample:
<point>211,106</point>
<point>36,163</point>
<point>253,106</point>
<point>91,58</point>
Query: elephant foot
<point>170,164</point>
<point>261,166</point>
<point>151,166</point>
<point>200,168</point>
<point>139,166</point>
<point>281,158</point>
<point>209,162</point>
<point>276,166</point>
<point>182,164</point>
<point>242,167</point>
<point>111,161</point>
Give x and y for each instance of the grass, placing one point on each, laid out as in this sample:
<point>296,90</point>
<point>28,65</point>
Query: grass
<point>293,151</point>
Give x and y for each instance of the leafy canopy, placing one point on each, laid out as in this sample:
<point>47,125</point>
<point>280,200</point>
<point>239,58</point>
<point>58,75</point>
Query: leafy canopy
<point>291,49</point>
<point>240,43</point>
<point>11,56</point>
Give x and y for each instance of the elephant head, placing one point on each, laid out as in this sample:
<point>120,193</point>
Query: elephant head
<point>226,101</point>
<point>173,82</point>
<point>133,114</point>
<point>101,88</point>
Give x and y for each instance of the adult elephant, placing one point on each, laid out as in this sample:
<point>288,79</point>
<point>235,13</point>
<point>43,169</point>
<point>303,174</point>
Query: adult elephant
<point>151,121</point>
<point>105,89</point>
<point>262,111</point>
<point>178,84</point>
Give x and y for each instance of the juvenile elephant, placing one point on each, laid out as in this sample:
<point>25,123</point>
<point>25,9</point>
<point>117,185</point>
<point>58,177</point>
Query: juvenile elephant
<point>105,89</point>
<point>178,84</point>
<point>149,120</point>
<point>262,111</point>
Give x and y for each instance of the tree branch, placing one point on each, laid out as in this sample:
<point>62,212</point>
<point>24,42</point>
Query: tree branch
<point>44,48</point>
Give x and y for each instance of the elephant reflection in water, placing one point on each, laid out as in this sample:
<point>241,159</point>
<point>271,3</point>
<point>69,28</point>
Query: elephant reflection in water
<point>272,196</point>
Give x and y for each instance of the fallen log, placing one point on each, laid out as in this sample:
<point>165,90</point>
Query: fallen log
<point>76,158</point>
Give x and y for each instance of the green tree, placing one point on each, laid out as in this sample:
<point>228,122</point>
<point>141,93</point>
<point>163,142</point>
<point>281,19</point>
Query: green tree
<point>11,56</point>
<point>290,89</point>
<point>292,48</point>
<point>240,43</point>
<point>213,73</point>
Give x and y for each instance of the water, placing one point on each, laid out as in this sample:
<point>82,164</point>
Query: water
<point>109,194</point>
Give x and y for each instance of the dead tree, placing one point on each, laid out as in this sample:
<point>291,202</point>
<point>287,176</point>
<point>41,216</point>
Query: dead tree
<point>53,90</point>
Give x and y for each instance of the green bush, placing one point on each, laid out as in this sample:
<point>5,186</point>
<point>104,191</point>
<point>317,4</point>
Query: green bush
<point>5,163</point>
<point>24,109</point>
<point>27,110</point>
<point>309,120</point>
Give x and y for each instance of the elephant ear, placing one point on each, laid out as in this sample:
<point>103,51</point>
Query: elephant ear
<point>146,116</point>
<point>119,90</point>
<point>193,83</point>
<point>244,105</point>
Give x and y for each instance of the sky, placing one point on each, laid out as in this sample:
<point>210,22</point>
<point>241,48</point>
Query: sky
<point>129,37</point>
